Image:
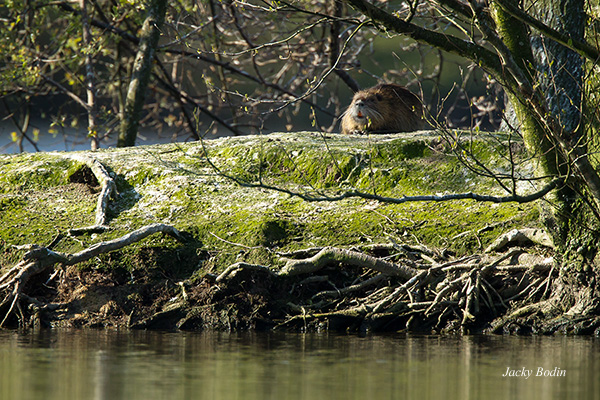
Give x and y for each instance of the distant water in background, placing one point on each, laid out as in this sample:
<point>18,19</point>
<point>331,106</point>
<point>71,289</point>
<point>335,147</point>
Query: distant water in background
<point>146,365</point>
<point>73,140</point>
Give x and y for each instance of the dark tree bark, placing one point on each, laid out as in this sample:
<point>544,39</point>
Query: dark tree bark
<point>142,69</point>
<point>89,77</point>
<point>560,75</point>
<point>560,68</point>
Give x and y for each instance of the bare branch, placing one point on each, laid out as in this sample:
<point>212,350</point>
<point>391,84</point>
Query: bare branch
<point>452,44</point>
<point>457,6</point>
<point>407,199</point>
<point>352,288</point>
<point>115,244</point>
<point>184,97</point>
<point>66,91</point>
<point>332,68</point>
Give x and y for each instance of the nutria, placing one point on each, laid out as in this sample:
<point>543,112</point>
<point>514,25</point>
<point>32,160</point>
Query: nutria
<point>383,108</point>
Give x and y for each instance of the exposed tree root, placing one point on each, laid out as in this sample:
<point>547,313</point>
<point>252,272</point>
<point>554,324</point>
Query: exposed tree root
<point>348,257</point>
<point>368,292</point>
<point>39,259</point>
<point>337,289</point>
<point>108,190</point>
<point>521,237</point>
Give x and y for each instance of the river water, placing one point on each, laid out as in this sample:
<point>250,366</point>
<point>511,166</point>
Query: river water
<point>106,364</point>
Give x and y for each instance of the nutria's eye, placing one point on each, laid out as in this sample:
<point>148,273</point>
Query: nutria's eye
<point>379,97</point>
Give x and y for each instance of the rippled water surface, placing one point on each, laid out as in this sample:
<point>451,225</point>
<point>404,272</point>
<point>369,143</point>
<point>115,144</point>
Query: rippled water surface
<point>104,364</point>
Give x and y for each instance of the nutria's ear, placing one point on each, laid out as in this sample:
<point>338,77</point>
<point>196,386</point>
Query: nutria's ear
<point>379,97</point>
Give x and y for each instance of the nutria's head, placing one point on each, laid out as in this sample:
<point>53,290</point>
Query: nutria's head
<point>365,108</point>
<point>382,108</point>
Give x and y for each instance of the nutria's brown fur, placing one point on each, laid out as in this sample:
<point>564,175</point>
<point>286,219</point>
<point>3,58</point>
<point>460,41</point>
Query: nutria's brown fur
<point>383,108</point>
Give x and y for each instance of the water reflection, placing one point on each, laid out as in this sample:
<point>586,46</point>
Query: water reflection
<point>96,364</point>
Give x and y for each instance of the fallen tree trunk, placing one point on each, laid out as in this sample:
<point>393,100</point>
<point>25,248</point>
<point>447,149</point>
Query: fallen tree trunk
<point>247,257</point>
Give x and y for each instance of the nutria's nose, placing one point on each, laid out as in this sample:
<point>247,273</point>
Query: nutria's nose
<point>359,107</point>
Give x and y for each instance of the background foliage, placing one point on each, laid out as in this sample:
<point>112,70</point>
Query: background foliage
<point>223,67</point>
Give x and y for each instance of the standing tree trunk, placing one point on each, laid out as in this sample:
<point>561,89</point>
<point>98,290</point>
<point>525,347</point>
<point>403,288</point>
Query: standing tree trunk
<point>336,10</point>
<point>560,68</point>
<point>551,119</point>
<point>89,76</point>
<point>574,214</point>
<point>560,75</point>
<point>140,75</point>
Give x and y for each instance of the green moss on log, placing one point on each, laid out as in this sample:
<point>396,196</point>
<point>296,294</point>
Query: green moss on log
<point>176,184</point>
